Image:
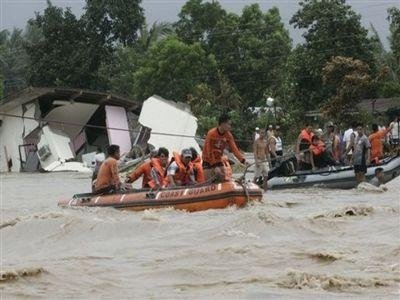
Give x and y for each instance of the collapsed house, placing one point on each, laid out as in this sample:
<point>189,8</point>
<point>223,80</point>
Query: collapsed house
<point>59,129</point>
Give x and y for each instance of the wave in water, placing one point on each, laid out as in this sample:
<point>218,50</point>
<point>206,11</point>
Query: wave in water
<point>43,216</point>
<point>303,280</point>
<point>12,275</point>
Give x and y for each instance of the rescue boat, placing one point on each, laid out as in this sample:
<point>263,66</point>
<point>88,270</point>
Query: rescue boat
<point>337,177</point>
<point>190,198</point>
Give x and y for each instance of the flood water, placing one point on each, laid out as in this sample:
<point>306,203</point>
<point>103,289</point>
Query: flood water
<point>302,244</point>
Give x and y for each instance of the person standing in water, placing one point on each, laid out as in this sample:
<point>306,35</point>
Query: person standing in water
<point>261,159</point>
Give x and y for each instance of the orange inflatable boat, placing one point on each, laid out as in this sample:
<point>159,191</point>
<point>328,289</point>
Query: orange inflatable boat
<point>195,198</point>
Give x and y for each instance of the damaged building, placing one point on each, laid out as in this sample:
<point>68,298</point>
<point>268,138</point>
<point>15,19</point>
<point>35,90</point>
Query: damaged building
<point>55,129</point>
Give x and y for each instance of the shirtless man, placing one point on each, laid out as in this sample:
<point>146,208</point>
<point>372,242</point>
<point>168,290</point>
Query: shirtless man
<point>261,158</point>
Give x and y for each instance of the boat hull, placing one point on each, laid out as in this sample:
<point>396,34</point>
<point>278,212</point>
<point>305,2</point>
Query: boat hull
<point>192,199</point>
<point>334,177</point>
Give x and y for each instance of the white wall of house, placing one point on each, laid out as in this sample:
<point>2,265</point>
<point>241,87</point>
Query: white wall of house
<point>173,125</point>
<point>11,132</point>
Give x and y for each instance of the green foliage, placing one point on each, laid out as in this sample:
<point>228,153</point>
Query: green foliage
<point>198,21</point>
<point>14,59</point>
<point>394,27</point>
<point>81,52</point>
<point>1,85</point>
<point>350,78</point>
<point>127,58</point>
<point>114,21</point>
<point>332,29</point>
<point>172,69</point>
<point>64,57</point>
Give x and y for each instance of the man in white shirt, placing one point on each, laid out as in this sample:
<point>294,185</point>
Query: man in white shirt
<point>349,137</point>
<point>395,132</point>
<point>257,134</point>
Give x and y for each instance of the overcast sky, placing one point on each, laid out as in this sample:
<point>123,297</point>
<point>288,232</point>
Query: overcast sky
<point>15,13</point>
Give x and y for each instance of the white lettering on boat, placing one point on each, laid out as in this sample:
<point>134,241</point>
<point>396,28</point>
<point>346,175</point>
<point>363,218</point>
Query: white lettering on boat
<point>190,192</point>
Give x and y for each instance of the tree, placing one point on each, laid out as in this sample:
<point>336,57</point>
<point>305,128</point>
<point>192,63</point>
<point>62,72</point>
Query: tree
<point>127,58</point>
<point>172,69</point>
<point>350,79</point>
<point>331,29</point>
<point>13,57</point>
<point>198,20</point>
<point>63,56</point>
<point>394,27</point>
<point>117,21</point>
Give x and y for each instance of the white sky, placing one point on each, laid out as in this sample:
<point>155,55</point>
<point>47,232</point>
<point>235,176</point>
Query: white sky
<point>15,13</point>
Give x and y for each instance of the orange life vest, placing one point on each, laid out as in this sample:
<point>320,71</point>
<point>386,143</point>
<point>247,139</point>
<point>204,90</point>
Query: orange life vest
<point>375,140</point>
<point>159,172</point>
<point>318,149</point>
<point>182,176</point>
<point>145,170</point>
<point>198,170</point>
<point>304,135</point>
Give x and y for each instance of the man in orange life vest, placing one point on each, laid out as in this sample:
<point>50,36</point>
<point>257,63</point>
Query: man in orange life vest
<point>143,170</point>
<point>108,179</point>
<point>303,144</point>
<point>217,140</point>
<point>197,166</point>
<point>375,140</point>
<point>158,171</point>
<point>319,157</point>
<point>180,170</point>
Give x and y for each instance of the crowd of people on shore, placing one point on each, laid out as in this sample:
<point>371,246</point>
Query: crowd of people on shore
<point>315,149</point>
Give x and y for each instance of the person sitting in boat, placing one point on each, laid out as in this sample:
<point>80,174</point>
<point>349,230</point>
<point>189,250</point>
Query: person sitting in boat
<point>319,157</point>
<point>108,178</point>
<point>375,140</point>
<point>144,170</point>
<point>197,166</point>
<point>217,140</point>
<point>180,170</point>
<point>302,147</point>
<point>159,165</point>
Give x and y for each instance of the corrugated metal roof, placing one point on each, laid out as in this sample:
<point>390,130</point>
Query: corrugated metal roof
<point>79,95</point>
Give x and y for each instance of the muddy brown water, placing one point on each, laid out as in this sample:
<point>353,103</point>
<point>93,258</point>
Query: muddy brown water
<point>302,244</point>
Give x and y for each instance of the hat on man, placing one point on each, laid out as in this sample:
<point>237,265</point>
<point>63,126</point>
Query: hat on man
<point>186,153</point>
<point>330,124</point>
<point>257,128</point>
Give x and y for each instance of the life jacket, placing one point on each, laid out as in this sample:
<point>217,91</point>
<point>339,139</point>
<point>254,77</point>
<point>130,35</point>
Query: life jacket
<point>375,140</point>
<point>183,174</point>
<point>305,139</point>
<point>198,170</point>
<point>306,136</point>
<point>318,149</point>
<point>158,174</point>
<point>145,170</point>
